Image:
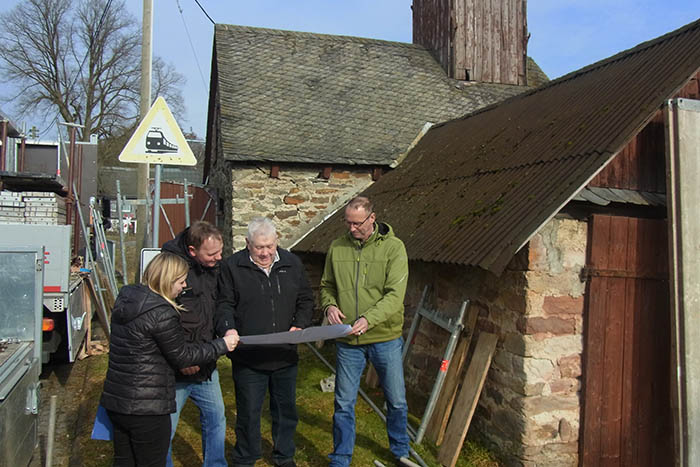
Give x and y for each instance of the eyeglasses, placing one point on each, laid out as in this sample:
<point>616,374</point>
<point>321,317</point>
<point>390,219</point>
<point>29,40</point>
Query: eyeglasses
<point>357,224</point>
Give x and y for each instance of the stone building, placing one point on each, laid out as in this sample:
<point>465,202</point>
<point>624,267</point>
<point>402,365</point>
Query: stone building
<point>548,212</point>
<point>300,122</point>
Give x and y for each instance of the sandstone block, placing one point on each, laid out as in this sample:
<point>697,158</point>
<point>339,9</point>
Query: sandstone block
<point>555,325</point>
<point>542,404</point>
<point>285,214</point>
<point>564,386</point>
<point>570,366</point>
<point>566,432</point>
<point>563,305</point>
<point>293,200</point>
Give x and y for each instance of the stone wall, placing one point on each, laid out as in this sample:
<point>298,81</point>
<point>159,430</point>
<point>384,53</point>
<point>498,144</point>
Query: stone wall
<point>530,405</point>
<point>296,201</point>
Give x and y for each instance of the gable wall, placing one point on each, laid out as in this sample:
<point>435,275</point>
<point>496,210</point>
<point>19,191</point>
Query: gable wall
<point>641,164</point>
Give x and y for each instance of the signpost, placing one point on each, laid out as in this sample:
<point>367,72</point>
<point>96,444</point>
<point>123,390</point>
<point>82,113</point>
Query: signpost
<point>158,140</point>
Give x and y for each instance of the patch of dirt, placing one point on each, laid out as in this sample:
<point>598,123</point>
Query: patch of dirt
<point>71,384</point>
<point>65,381</point>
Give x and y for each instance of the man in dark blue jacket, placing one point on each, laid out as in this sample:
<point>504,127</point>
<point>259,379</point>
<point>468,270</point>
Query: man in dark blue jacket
<point>263,289</point>
<point>200,245</point>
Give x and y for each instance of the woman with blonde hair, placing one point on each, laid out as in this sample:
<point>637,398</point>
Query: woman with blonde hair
<point>147,344</point>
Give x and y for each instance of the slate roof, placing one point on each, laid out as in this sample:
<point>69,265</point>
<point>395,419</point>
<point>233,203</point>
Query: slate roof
<point>289,96</point>
<point>474,190</point>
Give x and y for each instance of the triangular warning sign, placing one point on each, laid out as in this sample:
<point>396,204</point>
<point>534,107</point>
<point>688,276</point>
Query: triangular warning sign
<point>158,140</point>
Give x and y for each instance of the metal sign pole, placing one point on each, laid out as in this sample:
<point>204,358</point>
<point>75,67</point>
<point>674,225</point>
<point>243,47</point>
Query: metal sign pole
<point>156,206</point>
<point>125,275</point>
<point>187,206</point>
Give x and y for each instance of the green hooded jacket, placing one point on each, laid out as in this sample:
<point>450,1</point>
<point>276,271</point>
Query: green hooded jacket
<point>367,280</point>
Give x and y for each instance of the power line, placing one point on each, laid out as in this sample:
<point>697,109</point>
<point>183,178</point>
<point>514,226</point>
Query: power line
<point>204,11</point>
<point>189,38</point>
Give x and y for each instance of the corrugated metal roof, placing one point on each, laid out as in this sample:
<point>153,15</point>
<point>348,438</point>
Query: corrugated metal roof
<point>288,96</point>
<point>474,190</point>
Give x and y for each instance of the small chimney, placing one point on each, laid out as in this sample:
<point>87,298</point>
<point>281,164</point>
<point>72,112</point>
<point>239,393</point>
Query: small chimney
<point>475,40</point>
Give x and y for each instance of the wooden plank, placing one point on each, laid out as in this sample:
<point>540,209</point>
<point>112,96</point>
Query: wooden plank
<point>594,370</point>
<point>463,26</point>
<point>593,375</point>
<point>630,356</point>
<point>641,429</point>
<point>611,407</point>
<point>499,36</point>
<point>658,428</point>
<point>487,38</point>
<point>468,398</point>
<point>473,57</point>
<point>653,427</point>
<point>435,430</point>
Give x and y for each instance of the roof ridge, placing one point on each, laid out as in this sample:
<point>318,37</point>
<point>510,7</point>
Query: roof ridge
<point>316,35</point>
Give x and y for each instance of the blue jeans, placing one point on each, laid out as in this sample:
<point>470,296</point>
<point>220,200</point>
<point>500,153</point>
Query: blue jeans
<point>206,395</point>
<point>350,362</point>
<point>251,387</point>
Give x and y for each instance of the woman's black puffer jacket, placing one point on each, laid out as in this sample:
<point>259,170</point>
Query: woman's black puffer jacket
<point>146,343</point>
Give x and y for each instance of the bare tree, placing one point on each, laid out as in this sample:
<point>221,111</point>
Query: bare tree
<point>80,60</point>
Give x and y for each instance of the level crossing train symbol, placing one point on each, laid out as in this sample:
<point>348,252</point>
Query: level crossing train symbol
<point>157,143</point>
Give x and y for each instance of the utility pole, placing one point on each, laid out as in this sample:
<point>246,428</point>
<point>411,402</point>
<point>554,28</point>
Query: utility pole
<point>146,62</point>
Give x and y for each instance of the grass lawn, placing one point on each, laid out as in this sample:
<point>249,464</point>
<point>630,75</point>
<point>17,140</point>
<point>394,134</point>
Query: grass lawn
<point>313,436</point>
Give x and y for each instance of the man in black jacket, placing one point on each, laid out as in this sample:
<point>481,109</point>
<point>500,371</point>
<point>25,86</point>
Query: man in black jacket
<point>263,289</point>
<point>200,245</point>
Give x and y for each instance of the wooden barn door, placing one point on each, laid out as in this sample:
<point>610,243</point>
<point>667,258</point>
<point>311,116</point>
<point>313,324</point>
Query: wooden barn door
<point>627,418</point>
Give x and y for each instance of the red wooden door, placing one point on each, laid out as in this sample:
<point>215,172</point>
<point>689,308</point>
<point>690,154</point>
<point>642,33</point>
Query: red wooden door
<point>627,418</point>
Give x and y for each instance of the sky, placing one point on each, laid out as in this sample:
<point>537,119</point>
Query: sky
<point>565,34</point>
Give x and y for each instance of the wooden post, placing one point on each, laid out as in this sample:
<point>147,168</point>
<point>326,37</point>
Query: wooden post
<point>467,400</point>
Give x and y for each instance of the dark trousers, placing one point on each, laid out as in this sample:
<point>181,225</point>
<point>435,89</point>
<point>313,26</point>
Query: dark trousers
<point>251,387</point>
<point>140,440</point>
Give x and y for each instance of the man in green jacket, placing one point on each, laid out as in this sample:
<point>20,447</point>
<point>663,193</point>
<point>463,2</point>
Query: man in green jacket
<point>363,284</point>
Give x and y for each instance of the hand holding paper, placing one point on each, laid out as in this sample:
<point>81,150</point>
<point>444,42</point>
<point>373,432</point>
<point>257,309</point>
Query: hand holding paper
<point>315,333</point>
